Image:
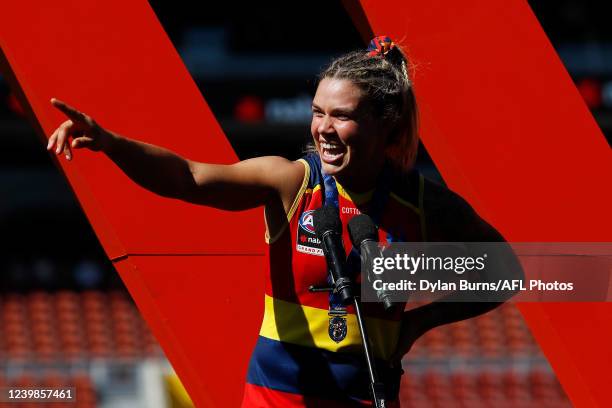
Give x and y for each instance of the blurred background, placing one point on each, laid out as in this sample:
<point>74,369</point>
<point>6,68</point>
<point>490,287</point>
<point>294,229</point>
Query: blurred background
<point>65,316</point>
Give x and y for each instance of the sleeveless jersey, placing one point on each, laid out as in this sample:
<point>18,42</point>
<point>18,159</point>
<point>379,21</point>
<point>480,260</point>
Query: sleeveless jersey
<point>305,354</point>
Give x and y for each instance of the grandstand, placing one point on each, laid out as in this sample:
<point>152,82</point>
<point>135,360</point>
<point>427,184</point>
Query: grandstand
<point>93,340</point>
<point>489,361</point>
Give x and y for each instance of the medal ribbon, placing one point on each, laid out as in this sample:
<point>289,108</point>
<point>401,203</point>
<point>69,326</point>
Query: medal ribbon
<point>377,206</point>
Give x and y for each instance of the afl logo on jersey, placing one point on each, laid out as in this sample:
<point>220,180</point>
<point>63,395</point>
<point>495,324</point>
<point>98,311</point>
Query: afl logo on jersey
<point>307,222</point>
<point>307,241</point>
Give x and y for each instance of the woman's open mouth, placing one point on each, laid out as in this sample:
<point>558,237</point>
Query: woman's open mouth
<point>331,152</point>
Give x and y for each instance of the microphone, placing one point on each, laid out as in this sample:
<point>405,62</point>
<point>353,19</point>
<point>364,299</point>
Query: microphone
<point>364,235</point>
<point>328,228</point>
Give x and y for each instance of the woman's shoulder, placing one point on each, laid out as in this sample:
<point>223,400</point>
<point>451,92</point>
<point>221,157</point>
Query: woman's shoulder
<point>438,197</point>
<point>450,217</point>
<point>425,193</point>
<point>413,185</point>
<point>312,162</point>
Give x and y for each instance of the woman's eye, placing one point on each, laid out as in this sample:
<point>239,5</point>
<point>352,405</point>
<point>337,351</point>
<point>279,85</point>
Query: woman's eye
<point>317,114</point>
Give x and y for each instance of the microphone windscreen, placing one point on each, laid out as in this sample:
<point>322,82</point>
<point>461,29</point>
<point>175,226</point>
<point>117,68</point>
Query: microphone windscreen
<point>361,228</point>
<point>327,219</point>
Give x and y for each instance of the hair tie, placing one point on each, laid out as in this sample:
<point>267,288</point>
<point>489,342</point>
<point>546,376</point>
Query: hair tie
<point>380,45</point>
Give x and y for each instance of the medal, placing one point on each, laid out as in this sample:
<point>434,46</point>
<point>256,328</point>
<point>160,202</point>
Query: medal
<point>337,324</point>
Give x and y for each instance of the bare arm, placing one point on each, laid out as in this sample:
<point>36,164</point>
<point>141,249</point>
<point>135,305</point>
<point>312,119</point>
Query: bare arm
<point>458,222</point>
<point>239,186</point>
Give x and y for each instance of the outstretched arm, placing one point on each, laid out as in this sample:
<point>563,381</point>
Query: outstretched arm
<point>246,184</point>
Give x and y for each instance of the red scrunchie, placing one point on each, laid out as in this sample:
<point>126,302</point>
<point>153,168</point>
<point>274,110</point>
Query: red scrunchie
<point>380,45</point>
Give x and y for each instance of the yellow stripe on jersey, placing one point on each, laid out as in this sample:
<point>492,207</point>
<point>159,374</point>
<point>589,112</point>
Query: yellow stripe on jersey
<point>308,326</point>
<point>300,193</point>
<point>313,190</point>
<point>360,198</point>
<point>356,198</point>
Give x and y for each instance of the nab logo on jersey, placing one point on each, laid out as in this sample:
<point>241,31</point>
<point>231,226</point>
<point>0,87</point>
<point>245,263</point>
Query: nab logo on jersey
<point>307,221</point>
<point>307,241</point>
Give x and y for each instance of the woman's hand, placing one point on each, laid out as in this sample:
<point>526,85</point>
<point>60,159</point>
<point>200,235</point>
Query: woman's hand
<point>81,128</point>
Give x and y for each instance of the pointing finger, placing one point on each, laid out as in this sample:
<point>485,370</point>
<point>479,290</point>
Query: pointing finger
<point>69,111</point>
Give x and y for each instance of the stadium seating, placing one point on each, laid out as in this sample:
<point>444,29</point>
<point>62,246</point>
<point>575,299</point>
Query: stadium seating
<point>70,326</point>
<point>490,361</point>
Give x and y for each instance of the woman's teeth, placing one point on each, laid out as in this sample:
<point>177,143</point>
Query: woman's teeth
<point>332,148</point>
<point>331,152</point>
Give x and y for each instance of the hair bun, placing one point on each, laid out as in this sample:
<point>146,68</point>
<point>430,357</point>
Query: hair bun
<point>384,47</point>
<point>381,46</point>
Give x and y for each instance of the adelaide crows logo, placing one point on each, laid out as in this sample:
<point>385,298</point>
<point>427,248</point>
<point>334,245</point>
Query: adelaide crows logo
<point>307,241</point>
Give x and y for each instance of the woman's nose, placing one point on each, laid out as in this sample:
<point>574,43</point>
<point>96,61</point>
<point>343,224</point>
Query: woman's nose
<point>325,125</point>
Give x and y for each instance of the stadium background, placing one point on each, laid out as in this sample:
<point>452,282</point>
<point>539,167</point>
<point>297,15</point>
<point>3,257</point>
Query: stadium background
<point>65,317</point>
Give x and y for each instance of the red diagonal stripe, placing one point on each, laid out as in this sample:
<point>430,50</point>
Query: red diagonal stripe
<point>113,60</point>
<point>508,131</point>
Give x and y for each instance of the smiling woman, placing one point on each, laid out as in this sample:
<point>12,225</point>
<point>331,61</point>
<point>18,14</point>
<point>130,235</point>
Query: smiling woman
<point>364,112</point>
<point>364,133</point>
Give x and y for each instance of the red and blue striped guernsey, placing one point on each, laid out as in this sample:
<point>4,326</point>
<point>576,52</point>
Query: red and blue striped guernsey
<point>306,355</point>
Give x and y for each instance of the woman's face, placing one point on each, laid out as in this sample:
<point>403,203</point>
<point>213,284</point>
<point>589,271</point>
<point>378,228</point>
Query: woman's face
<point>348,137</point>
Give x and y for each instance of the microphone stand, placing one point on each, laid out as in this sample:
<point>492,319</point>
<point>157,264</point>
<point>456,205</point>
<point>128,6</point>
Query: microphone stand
<point>377,388</point>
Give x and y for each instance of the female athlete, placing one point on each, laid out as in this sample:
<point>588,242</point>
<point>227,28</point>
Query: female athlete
<point>365,140</point>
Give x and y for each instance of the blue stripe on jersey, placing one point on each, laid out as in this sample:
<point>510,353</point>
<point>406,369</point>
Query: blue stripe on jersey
<point>311,371</point>
<point>314,161</point>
